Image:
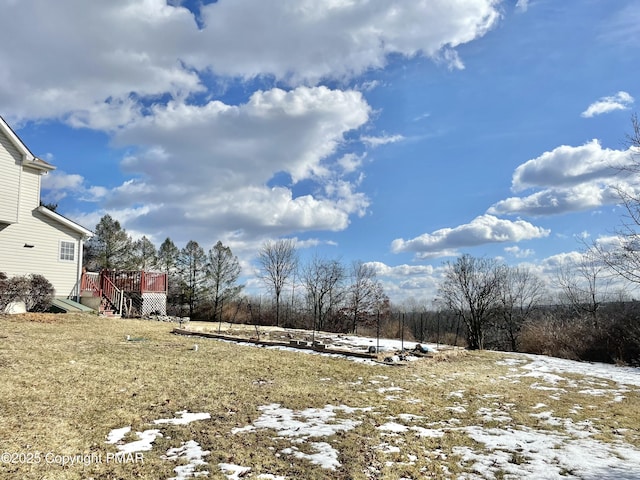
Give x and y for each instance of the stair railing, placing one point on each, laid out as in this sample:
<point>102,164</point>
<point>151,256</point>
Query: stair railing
<point>112,293</point>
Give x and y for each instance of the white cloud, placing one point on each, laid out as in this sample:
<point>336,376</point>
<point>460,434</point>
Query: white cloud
<point>123,52</point>
<point>349,200</point>
<point>211,164</point>
<point>306,40</point>
<point>422,116</point>
<point>568,179</point>
<point>562,259</point>
<point>106,116</point>
<point>59,184</point>
<point>96,193</point>
<point>481,230</point>
<point>450,58</point>
<point>368,85</point>
<point>619,101</point>
<point>522,5</point>
<point>265,209</point>
<point>567,166</point>
<point>519,252</point>
<point>140,70</point>
<point>275,131</point>
<point>350,162</point>
<point>558,200</point>
<point>88,57</point>
<point>124,215</point>
<point>59,180</point>
<point>383,140</point>
<point>401,282</point>
<point>401,271</point>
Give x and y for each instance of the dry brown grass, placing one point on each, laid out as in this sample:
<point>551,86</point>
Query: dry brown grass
<point>70,379</point>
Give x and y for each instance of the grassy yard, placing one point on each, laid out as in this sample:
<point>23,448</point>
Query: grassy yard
<point>69,380</point>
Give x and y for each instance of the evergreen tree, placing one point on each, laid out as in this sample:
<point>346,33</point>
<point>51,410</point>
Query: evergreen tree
<point>167,262</point>
<point>110,247</point>
<point>145,256</point>
<point>192,266</point>
<point>167,259</point>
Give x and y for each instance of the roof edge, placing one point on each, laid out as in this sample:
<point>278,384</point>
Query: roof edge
<point>17,142</point>
<point>86,233</point>
<point>29,159</point>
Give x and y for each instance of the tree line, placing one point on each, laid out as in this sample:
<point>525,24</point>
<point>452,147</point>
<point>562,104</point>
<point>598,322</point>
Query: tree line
<point>575,313</point>
<point>322,294</point>
<point>197,278</point>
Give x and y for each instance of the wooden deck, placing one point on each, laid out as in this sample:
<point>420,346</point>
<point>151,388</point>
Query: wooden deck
<point>126,281</point>
<point>132,293</point>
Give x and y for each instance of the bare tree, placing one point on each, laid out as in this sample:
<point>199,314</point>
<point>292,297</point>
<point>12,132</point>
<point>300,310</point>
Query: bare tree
<point>584,284</point>
<point>279,261</point>
<point>520,294</point>
<point>222,272</point>
<point>322,279</point>
<point>471,288</point>
<point>623,256</point>
<point>363,294</point>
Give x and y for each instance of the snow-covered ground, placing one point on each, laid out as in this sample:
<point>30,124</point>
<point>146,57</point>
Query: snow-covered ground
<point>568,449</point>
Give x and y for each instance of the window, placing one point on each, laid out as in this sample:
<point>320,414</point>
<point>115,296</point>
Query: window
<point>67,251</point>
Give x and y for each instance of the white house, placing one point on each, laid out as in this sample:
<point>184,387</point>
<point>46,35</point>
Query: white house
<point>34,239</point>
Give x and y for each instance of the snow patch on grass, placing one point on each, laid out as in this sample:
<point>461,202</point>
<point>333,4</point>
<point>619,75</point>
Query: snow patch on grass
<point>117,434</point>
<point>193,453</point>
<point>143,444</point>
<point>232,471</point>
<point>183,419</point>
<point>326,456</point>
<point>303,425</point>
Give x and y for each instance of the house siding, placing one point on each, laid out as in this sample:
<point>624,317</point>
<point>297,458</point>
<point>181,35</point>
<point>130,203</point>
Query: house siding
<point>45,234</point>
<point>10,166</point>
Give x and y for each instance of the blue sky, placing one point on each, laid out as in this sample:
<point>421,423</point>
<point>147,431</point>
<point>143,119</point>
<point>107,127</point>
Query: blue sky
<point>399,133</point>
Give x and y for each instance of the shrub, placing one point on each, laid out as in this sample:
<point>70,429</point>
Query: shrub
<point>4,297</point>
<point>34,290</point>
<point>573,338</point>
<point>16,290</point>
<point>554,337</point>
<point>40,293</point>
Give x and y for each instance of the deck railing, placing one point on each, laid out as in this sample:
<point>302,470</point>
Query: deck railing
<point>91,283</point>
<point>138,281</point>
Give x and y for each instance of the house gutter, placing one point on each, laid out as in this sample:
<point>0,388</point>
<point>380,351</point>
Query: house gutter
<point>79,270</point>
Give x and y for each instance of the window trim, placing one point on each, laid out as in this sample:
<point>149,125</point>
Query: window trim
<point>62,254</point>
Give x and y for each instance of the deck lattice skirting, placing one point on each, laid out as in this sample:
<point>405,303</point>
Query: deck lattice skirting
<point>154,303</point>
